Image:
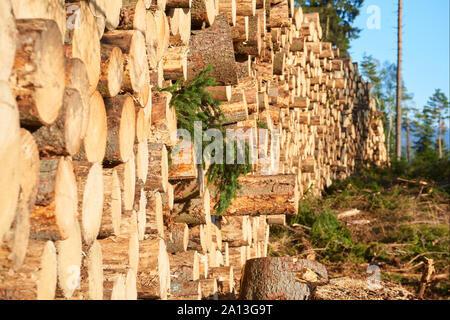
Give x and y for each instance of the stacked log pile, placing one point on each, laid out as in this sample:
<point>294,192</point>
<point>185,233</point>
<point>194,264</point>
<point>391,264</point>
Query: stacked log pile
<point>90,207</point>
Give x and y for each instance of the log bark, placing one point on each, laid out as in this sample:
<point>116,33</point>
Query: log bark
<point>213,46</point>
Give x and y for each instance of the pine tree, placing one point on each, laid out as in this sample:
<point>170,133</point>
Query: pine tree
<point>370,68</point>
<point>193,104</point>
<point>439,108</point>
<point>336,19</point>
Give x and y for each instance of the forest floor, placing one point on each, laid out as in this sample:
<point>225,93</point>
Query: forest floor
<point>380,250</point>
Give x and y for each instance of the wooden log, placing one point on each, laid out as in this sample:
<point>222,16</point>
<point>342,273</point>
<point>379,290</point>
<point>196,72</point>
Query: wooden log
<point>83,41</point>
<point>234,230</point>
<point>225,279</point>
<point>94,143</point>
<point>121,118</point>
<point>8,33</point>
<point>202,12</point>
<point>37,79</point>
<point>228,7</point>
<point>46,9</point>
<point>63,137</point>
<point>154,277</point>
<point>110,9</point>
<point>18,236</point>
<point>183,164</point>
<point>245,7</point>
<point>235,110</point>
<point>185,266</point>
<point>77,79</point>
<point>204,47</point>
<point>127,176</point>
<point>164,120</point>
<point>58,200</point>
<point>209,289</point>
<point>132,44</point>
<point>95,271</point>
<point>10,171</point>
<point>180,25</point>
<point>69,262</point>
<point>271,278</point>
<point>111,76</point>
<point>186,290</point>
<point>90,198</point>
<point>178,3</point>
<point>177,238</point>
<point>157,178</point>
<point>279,15</point>
<point>175,63</point>
<point>277,194</point>
<point>37,277</point>
<point>252,45</point>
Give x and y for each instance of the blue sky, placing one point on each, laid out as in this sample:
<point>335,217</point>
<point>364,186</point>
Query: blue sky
<point>425,42</point>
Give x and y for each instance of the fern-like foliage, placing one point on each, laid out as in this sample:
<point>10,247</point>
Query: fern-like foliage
<point>193,103</point>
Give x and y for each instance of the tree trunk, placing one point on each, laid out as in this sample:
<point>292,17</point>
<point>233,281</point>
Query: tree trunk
<point>271,279</point>
<point>399,82</point>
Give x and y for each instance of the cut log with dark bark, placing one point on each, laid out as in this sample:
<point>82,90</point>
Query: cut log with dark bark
<point>213,46</point>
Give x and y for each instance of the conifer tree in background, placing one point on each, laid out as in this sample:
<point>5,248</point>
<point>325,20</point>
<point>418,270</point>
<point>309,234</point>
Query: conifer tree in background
<point>336,19</point>
<point>195,105</point>
<point>370,68</point>
<point>439,109</point>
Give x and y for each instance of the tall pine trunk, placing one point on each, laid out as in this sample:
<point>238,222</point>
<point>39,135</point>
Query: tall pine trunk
<point>399,81</point>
